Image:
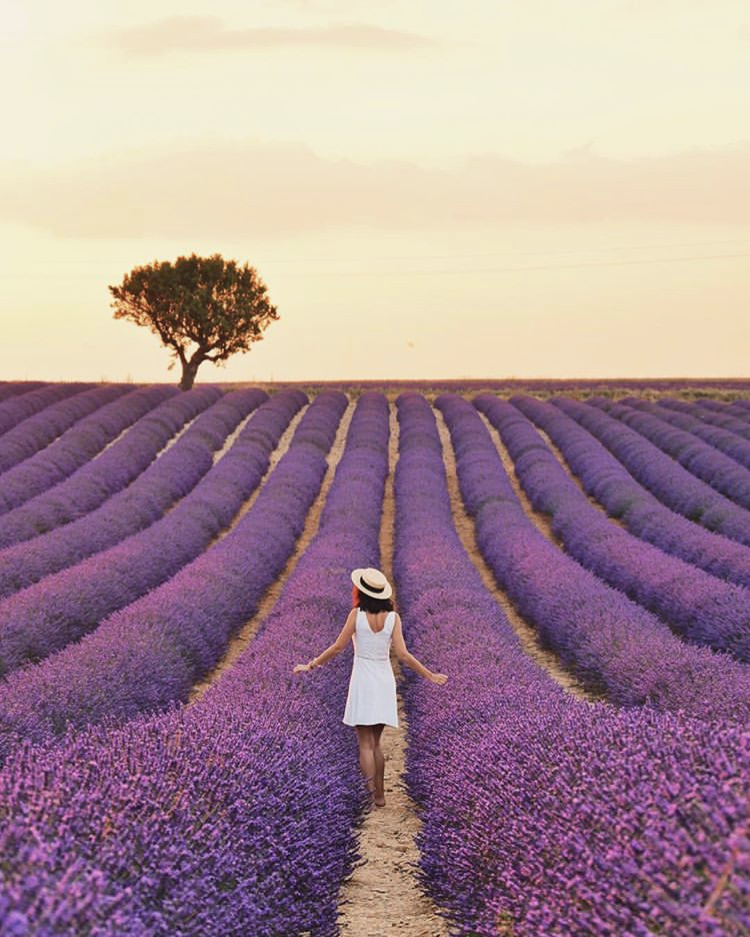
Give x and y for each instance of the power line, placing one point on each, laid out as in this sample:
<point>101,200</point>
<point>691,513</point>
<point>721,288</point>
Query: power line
<point>457,256</point>
<point>442,271</point>
<point>544,253</point>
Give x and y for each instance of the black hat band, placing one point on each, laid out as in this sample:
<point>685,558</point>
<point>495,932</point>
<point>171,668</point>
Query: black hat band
<point>371,588</point>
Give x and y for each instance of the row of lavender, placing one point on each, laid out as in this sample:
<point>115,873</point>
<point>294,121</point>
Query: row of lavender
<point>605,478</point>
<point>674,485</point>
<point>156,648</point>
<point>10,389</point>
<point>614,645</point>
<point>97,480</point>
<point>713,454</point>
<point>235,815</point>
<point>637,824</point>
<point>23,405</point>
<point>160,460</point>
<point>699,606</point>
<point>695,387</point>
<point>33,434</point>
<point>32,626</point>
<point>44,464</point>
<point>708,609</point>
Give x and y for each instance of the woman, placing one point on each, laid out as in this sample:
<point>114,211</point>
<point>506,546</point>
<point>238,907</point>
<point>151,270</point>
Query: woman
<point>371,702</point>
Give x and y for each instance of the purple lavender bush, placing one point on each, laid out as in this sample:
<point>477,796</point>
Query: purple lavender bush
<point>614,646</point>
<point>10,389</point>
<point>696,449</point>
<point>23,406</point>
<point>41,430</point>
<point>152,651</point>
<point>102,477</point>
<point>698,606</point>
<point>543,814</point>
<point>171,476</point>
<point>705,412</point>
<point>701,423</point>
<point>235,815</point>
<point>77,446</point>
<point>606,479</point>
<point>670,482</point>
<point>32,626</point>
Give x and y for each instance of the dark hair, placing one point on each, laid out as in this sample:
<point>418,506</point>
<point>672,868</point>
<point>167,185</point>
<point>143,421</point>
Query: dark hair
<point>369,603</point>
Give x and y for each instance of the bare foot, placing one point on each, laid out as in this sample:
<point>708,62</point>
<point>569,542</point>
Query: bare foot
<point>379,801</point>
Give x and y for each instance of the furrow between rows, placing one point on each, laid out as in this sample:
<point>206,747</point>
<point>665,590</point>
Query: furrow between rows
<point>166,482</point>
<point>151,653</point>
<point>614,646</point>
<point>543,813</point>
<point>247,631</point>
<point>527,634</point>
<point>605,474</point>
<point>701,608</point>
<point>383,895</point>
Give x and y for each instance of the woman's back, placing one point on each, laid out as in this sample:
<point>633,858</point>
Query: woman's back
<point>373,644</point>
<point>371,699</point>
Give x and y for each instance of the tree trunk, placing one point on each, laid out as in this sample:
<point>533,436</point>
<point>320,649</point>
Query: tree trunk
<point>189,370</point>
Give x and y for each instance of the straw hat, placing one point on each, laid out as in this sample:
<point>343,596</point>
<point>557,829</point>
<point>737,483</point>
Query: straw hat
<point>372,582</point>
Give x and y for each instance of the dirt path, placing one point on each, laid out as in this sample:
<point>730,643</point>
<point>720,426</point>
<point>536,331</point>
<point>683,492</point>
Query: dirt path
<point>541,521</point>
<point>232,437</point>
<point>242,638</point>
<point>574,478</point>
<point>280,450</point>
<point>382,896</point>
<point>178,435</point>
<point>527,635</point>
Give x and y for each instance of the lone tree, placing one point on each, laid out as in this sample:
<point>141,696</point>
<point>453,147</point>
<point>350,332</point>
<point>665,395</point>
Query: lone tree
<point>203,308</point>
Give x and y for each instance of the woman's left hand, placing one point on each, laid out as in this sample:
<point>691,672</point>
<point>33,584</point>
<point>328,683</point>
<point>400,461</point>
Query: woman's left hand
<point>298,668</point>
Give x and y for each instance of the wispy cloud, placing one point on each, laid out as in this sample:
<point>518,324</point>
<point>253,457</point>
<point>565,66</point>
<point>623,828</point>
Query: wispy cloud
<point>210,34</point>
<point>235,188</point>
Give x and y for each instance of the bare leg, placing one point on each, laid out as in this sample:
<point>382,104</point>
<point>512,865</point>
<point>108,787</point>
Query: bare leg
<point>379,759</point>
<point>367,754</point>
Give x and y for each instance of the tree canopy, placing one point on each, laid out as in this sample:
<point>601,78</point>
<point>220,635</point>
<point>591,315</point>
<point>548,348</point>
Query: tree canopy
<point>202,308</point>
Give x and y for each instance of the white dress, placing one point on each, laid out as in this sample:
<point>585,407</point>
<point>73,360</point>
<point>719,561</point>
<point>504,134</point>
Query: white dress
<point>372,685</point>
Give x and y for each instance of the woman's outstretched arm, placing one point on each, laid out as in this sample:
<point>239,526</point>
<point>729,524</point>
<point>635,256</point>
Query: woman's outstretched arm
<point>401,651</point>
<point>333,649</point>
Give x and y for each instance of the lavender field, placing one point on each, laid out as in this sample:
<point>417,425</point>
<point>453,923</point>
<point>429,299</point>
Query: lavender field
<point>575,558</point>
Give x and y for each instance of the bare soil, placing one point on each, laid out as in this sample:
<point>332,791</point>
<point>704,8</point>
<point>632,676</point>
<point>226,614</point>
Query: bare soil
<point>277,453</point>
<point>232,437</point>
<point>527,634</point>
<point>541,521</point>
<point>383,895</point>
<point>573,477</point>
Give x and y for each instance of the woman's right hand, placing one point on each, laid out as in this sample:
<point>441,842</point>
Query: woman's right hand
<point>438,678</point>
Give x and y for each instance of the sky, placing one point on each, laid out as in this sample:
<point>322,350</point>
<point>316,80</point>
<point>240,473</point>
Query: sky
<point>529,188</point>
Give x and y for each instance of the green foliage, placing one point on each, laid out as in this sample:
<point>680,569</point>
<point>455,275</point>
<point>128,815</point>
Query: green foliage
<point>202,308</point>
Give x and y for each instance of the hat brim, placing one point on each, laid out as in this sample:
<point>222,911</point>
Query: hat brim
<point>363,587</point>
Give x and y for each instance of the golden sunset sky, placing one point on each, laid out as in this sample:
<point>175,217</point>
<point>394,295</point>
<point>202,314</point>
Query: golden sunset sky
<point>486,189</point>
